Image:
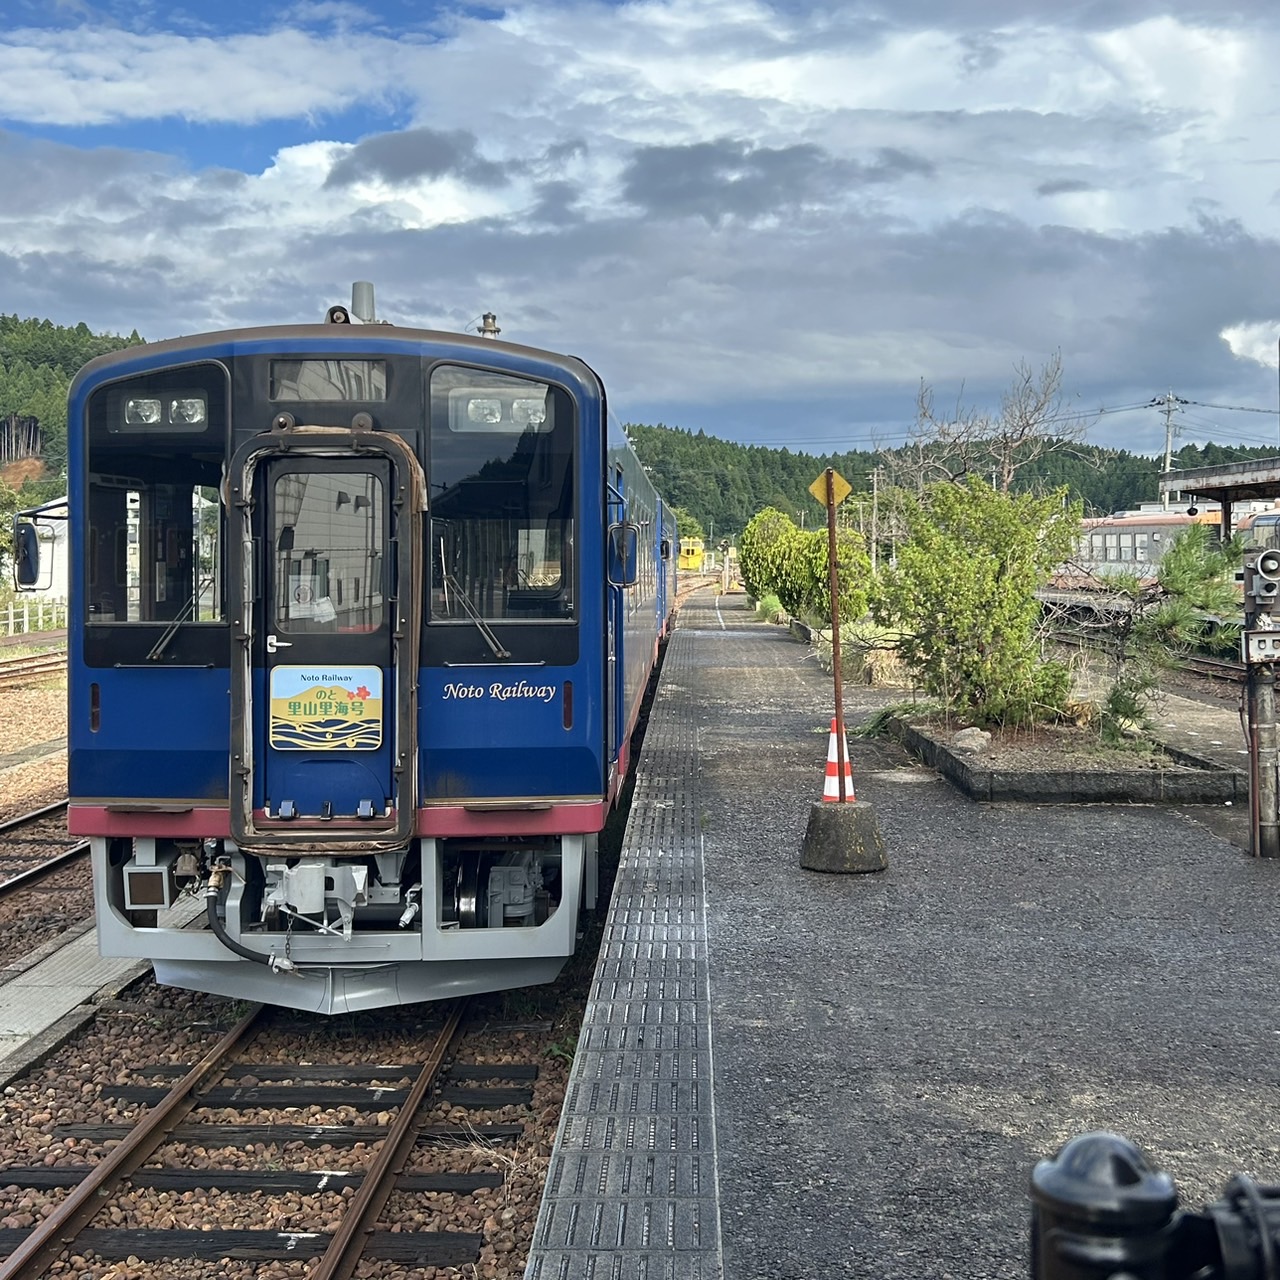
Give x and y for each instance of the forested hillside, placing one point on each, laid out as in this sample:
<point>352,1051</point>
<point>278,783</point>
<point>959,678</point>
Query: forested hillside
<point>723,484</point>
<point>38,359</point>
<point>720,483</point>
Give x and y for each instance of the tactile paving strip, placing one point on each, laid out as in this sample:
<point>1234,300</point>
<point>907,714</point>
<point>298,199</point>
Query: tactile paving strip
<point>631,1191</point>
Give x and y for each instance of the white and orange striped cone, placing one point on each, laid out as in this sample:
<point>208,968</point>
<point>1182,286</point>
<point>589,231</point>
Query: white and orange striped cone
<point>831,787</point>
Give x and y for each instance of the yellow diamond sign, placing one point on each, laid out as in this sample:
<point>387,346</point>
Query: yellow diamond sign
<point>840,488</point>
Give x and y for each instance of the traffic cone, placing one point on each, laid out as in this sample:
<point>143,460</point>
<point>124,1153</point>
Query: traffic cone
<point>841,837</point>
<point>831,787</point>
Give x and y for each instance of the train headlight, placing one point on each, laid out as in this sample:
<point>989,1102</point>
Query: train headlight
<point>484,410</point>
<point>174,409</point>
<point>501,405</point>
<point>187,410</point>
<point>142,412</point>
<point>528,413</point>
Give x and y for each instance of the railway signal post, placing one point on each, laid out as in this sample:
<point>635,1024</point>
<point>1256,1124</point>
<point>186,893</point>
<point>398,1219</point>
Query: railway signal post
<point>843,836</point>
<point>1261,652</point>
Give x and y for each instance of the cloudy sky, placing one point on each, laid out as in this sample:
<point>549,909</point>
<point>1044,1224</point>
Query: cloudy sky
<point>768,221</point>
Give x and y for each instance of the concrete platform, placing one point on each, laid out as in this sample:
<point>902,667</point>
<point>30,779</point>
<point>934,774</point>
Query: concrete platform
<point>45,1002</point>
<point>785,1074</point>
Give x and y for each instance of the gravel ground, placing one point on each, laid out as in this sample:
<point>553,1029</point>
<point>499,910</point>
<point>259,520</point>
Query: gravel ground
<point>33,917</point>
<point>32,717</point>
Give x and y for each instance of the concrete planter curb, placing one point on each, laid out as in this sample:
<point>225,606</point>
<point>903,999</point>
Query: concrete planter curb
<point>1192,781</point>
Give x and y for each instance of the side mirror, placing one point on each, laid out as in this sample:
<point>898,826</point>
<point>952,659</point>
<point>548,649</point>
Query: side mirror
<point>624,554</point>
<point>26,555</point>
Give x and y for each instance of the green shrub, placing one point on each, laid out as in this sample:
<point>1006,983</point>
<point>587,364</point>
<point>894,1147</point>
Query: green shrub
<point>762,549</point>
<point>962,597</point>
<point>777,558</point>
<point>769,608</point>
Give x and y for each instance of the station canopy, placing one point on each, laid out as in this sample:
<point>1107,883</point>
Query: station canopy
<point>1232,483</point>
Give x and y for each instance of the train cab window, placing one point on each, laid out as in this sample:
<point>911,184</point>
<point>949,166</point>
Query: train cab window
<point>153,523</point>
<point>153,551</point>
<point>501,486</point>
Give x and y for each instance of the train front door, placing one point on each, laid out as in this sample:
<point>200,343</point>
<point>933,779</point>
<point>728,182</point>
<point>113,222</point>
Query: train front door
<point>327,714</point>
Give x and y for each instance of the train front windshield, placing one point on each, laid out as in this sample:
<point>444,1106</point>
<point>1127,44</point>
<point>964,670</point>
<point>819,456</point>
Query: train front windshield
<point>500,459</point>
<point>501,498</point>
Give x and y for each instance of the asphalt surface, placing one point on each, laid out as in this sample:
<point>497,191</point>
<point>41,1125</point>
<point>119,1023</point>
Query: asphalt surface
<point>894,1052</point>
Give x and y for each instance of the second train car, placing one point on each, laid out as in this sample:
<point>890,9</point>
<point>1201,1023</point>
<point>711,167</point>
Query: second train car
<point>692,554</point>
<point>362,616</point>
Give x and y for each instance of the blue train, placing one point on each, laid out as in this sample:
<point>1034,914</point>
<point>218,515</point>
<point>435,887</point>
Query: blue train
<point>361,620</point>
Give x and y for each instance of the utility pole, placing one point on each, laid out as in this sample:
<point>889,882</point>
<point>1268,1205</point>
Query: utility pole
<point>1168,405</point>
<point>875,514</point>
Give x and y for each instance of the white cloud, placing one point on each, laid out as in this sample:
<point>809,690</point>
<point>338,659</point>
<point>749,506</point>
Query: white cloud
<point>1256,342</point>
<point>1033,174</point>
<point>95,76</point>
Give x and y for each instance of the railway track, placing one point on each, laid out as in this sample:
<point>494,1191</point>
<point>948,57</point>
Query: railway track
<point>350,1177</point>
<point>35,639</point>
<point>45,885</point>
<point>1230,670</point>
<point>35,845</point>
<point>1227,669</point>
<point>16,672</point>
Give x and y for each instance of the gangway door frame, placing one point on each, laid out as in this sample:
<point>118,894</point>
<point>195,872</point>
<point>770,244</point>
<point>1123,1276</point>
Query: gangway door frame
<point>408,503</point>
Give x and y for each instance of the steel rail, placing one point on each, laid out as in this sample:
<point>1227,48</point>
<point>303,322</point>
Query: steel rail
<point>9,823</point>
<point>379,1181</point>
<point>32,875</point>
<point>1231,669</point>
<point>36,639</point>
<point>53,1235</point>
<point>16,671</point>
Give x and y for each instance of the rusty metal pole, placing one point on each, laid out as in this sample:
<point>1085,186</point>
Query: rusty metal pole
<point>1268,802</point>
<point>1251,739</point>
<point>833,582</point>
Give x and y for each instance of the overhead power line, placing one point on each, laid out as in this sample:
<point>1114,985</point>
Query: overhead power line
<point>1232,408</point>
<point>856,437</point>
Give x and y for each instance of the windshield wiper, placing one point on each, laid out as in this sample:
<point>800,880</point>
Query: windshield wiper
<point>175,625</point>
<point>469,608</point>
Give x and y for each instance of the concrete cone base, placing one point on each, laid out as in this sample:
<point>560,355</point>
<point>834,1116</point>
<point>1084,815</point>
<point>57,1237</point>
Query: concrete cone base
<point>843,838</point>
